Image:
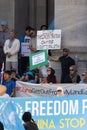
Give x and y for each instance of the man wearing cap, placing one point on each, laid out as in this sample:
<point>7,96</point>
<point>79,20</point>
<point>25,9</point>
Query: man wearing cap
<point>29,77</point>
<point>60,91</point>
<point>3,37</point>
<point>24,60</point>
<point>66,61</point>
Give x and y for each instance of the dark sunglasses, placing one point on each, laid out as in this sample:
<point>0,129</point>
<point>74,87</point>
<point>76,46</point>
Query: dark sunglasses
<point>83,74</point>
<point>71,70</point>
<point>48,70</point>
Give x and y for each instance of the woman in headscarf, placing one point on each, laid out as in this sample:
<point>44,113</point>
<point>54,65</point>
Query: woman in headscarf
<point>73,76</point>
<point>51,78</point>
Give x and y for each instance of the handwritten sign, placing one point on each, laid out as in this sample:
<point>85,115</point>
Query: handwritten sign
<point>25,49</point>
<point>48,39</point>
<point>38,59</point>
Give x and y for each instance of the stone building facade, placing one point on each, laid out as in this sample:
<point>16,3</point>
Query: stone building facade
<point>69,15</point>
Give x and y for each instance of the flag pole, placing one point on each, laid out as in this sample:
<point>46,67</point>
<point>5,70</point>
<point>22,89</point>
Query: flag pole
<point>2,72</point>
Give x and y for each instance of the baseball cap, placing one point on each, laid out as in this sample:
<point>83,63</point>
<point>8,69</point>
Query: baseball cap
<point>59,89</point>
<point>29,73</point>
<point>4,22</point>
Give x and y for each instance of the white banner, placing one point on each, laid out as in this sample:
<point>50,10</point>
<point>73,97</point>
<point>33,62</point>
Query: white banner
<point>24,89</point>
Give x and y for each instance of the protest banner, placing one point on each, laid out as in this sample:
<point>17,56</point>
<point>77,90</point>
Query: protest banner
<point>28,89</point>
<point>38,59</point>
<point>53,113</point>
<point>48,39</point>
<point>25,49</point>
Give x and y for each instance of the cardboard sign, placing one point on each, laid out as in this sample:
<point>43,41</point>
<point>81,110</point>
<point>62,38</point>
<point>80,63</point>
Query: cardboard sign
<point>25,49</point>
<point>48,39</point>
<point>38,59</point>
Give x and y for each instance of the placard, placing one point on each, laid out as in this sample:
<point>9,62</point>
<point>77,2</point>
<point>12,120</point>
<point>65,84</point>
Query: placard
<point>38,59</point>
<point>48,39</point>
<point>25,49</point>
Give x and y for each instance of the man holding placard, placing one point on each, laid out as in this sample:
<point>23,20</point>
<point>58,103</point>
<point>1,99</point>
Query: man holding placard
<point>66,61</point>
<point>25,50</point>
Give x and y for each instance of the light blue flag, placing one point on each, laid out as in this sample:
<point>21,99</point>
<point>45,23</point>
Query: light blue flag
<point>10,119</point>
<point>51,26</point>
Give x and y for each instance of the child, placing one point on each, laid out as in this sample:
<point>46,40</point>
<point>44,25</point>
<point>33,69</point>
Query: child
<point>10,84</point>
<point>14,76</point>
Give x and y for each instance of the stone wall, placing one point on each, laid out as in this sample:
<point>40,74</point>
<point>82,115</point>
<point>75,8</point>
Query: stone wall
<point>7,11</point>
<point>71,17</point>
<point>20,13</point>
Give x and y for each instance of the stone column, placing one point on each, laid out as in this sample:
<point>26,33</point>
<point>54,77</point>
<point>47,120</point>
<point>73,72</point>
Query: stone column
<point>7,12</point>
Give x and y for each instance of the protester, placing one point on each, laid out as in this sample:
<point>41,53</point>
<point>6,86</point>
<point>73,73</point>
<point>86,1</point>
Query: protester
<point>60,91</point>
<point>24,60</point>
<point>66,61</point>
<point>73,76</point>
<point>43,27</point>
<point>4,35</point>
<point>43,72</point>
<point>84,78</point>
<point>10,84</point>
<point>29,123</point>
<point>51,78</point>
<point>1,126</point>
<point>11,49</point>
<point>14,76</point>
<point>29,77</point>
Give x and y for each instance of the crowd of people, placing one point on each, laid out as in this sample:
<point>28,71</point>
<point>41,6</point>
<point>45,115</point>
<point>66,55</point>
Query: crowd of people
<point>17,65</point>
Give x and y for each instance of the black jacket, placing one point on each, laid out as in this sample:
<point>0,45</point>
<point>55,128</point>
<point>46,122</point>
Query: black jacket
<point>69,80</point>
<point>30,126</point>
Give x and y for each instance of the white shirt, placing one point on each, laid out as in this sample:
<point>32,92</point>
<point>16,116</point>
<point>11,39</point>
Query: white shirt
<point>13,50</point>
